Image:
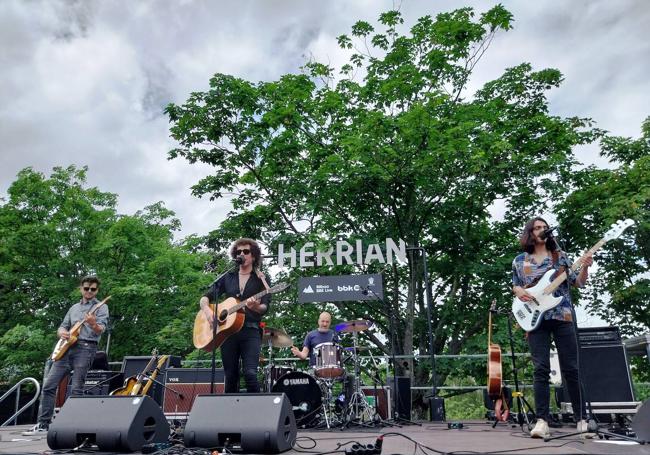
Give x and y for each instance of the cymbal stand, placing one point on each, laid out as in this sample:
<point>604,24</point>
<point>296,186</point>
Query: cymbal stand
<point>358,407</point>
<point>269,368</point>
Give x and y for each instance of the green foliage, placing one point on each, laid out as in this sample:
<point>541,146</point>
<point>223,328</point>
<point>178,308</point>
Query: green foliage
<point>391,145</point>
<point>53,231</point>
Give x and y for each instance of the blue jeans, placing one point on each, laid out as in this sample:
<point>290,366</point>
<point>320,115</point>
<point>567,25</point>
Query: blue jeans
<point>245,344</point>
<point>78,358</point>
<point>539,341</point>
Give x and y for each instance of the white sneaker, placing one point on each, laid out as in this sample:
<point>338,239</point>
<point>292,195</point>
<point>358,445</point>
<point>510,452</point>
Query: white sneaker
<point>541,430</point>
<point>583,427</point>
<point>36,430</point>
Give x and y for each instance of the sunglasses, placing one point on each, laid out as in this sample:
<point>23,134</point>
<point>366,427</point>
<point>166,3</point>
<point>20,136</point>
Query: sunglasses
<point>90,289</point>
<point>244,251</point>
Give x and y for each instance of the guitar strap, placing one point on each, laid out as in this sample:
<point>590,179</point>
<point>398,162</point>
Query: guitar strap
<point>555,258</point>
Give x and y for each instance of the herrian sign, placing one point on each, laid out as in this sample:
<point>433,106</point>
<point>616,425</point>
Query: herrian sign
<point>343,253</point>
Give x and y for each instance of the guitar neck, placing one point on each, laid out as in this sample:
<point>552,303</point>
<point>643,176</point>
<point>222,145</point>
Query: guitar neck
<point>242,304</point>
<point>576,266</point>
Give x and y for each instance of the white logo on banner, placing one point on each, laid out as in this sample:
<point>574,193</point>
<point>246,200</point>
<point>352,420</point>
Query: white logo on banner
<point>308,290</point>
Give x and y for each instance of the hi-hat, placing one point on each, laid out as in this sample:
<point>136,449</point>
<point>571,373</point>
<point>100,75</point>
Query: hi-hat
<point>357,325</point>
<point>278,337</point>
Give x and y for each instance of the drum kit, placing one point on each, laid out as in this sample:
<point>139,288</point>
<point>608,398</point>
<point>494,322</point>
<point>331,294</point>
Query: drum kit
<point>313,394</point>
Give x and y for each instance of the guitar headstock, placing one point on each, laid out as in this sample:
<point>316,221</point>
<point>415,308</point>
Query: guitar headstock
<point>617,229</point>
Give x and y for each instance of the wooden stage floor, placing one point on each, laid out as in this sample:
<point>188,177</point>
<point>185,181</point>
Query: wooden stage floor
<point>434,438</point>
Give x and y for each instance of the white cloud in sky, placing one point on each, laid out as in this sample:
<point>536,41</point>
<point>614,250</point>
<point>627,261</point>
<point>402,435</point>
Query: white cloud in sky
<point>85,82</point>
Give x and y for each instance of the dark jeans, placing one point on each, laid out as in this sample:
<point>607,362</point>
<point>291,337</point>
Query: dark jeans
<point>245,344</point>
<point>539,341</point>
<point>78,358</point>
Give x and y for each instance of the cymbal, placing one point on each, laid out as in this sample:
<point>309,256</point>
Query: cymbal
<point>278,337</point>
<point>358,325</point>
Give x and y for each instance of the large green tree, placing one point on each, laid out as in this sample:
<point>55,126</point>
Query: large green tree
<point>392,145</point>
<point>56,229</point>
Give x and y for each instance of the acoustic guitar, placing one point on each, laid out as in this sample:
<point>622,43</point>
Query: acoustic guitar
<point>63,345</point>
<point>495,374</point>
<point>230,319</point>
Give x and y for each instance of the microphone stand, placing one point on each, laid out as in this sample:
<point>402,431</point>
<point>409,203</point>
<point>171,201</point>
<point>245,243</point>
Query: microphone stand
<point>215,329</point>
<point>398,419</point>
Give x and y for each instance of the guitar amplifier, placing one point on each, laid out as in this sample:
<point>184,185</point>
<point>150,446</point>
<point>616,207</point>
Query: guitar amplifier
<point>97,382</point>
<point>133,365</point>
<point>182,385</point>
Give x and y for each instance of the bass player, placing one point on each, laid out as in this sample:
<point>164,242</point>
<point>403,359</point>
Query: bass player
<point>541,254</point>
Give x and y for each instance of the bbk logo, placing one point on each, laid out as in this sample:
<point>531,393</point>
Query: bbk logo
<point>349,288</point>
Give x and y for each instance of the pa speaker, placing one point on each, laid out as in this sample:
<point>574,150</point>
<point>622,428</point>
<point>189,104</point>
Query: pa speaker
<point>256,423</point>
<point>402,396</point>
<point>114,423</point>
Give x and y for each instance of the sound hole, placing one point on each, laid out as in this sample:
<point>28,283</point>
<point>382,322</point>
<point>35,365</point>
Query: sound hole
<point>149,430</point>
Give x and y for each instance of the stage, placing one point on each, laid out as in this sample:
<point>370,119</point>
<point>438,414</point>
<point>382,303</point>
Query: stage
<point>474,437</point>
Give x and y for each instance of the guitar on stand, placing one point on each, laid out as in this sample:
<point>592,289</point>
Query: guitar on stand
<point>495,375</point>
<point>134,385</point>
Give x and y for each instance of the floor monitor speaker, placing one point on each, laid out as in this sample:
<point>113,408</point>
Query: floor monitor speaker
<point>114,423</point>
<point>252,423</point>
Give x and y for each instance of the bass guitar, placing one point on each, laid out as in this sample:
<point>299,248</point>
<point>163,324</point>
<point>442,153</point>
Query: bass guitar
<point>495,374</point>
<point>530,314</point>
<point>229,317</point>
<point>63,345</point>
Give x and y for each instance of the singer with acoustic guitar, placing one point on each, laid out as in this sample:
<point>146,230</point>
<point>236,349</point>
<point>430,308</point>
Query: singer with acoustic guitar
<point>241,284</point>
<point>92,317</point>
<point>541,253</point>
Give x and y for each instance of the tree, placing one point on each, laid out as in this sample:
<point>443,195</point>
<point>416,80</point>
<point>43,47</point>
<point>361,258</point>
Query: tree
<point>620,289</point>
<point>391,146</point>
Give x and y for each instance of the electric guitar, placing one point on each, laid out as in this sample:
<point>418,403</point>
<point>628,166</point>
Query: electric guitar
<point>135,385</point>
<point>530,314</point>
<point>63,345</point>
<point>230,317</point>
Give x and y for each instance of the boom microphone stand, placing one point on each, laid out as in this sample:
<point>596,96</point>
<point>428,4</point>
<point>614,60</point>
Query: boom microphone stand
<point>215,323</point>
<point>592,425</point>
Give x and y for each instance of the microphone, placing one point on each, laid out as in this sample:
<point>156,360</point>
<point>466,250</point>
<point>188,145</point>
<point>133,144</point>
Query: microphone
<point>239,260</point>
<point>547,233</point>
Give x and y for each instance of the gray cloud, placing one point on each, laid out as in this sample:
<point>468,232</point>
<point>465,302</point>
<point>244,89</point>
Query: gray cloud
<point>85,82</point>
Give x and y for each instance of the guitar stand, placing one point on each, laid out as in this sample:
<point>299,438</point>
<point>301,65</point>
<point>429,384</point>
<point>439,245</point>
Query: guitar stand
<point>523,407</point>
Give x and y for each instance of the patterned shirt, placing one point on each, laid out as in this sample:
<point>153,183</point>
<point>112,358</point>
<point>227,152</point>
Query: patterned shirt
<point>525,270</point>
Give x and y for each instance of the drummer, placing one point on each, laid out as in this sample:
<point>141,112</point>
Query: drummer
<point>323,334</point>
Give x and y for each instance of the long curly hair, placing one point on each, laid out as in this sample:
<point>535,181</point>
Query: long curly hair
<point>255,250</point>
<point>527,239</point>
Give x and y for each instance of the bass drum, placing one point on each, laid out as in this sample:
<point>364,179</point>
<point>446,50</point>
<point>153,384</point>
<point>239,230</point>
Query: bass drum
<point>304,394</point>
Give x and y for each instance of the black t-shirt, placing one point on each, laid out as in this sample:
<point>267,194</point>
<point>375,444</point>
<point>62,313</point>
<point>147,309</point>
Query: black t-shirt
<point>228,286</point>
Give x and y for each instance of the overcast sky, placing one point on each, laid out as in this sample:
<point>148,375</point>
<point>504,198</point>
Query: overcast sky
<point>85,82</point>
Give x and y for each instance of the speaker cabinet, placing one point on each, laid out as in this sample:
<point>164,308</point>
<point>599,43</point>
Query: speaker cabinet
<point>182,385</point>
<point>120,423</point>
<point>383,398</point>
<point>402,394</point>
<point>254,423</point>
<point>133,365</point>
<point>605,373</point>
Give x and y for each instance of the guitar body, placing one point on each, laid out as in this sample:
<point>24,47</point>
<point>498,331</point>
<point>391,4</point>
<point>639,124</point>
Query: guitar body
<point>128,388</point>
<point>530,314</point>
<point>62,347</point>
<point>495,374</point>
<point>231,323</point>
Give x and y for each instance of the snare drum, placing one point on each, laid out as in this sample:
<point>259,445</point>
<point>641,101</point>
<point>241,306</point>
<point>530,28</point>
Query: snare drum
<point>328,360</point>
